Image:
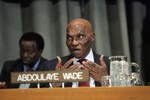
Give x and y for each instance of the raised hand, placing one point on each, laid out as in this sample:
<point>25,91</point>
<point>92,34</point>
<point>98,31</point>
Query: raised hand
<point>61,67</point>
<point>59,64</point>
<point>96,71</point>
<point>68,65</point>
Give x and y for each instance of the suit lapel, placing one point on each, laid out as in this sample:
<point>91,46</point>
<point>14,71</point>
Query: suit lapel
<point>66,58</point>
<point>97,60</point>
<point>41,65</point>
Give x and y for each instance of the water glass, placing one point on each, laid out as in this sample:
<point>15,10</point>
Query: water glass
<point>106,81</point>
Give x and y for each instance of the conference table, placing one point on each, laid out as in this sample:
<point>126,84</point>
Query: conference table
<point>82,93</point>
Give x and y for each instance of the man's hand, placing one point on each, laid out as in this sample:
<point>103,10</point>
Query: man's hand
<point>96,71</point>
<point>58,68</point>
<point>2,85</point>
<point>59,64</point>
<point>67,65</point>
<point>61,67</point>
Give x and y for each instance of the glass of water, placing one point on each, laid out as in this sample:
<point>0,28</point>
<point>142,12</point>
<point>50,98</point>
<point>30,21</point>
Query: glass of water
<point>106,81</point>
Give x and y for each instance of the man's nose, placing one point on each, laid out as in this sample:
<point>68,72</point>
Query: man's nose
<point>25,54</point>
<point>75,42</point>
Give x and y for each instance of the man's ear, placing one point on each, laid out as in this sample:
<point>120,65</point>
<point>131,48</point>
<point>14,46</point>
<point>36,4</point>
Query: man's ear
<point>93,36</point>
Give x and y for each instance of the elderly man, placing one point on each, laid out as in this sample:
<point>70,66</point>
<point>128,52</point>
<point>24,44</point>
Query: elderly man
<point>79,39</point>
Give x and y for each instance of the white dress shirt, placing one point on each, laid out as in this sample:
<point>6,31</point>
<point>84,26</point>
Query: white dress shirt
<point>89,57</point>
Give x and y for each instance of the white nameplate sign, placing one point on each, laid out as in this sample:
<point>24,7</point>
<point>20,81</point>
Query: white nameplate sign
<point>50,76</point>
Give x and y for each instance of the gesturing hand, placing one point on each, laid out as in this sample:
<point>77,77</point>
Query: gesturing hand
<point>96,71</point>
<point>59,64</point>
<point>67,65</point>
<point>61,67</point>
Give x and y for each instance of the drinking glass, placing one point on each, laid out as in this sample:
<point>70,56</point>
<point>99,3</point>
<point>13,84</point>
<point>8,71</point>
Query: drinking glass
<point>106,81</point>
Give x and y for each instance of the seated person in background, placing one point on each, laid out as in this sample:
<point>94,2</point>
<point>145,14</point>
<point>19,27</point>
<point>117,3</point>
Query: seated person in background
<point>31,46</point>
<point>79,38</point>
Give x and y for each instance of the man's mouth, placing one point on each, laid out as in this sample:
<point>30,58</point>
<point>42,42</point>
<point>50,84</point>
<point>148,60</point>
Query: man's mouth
<point>76,50</point>
<point>25,60</point>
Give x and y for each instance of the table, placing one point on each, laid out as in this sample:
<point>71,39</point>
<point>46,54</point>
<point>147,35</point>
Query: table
<point>97,93</point>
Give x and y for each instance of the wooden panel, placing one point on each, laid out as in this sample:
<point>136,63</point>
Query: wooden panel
<point>107,93</point>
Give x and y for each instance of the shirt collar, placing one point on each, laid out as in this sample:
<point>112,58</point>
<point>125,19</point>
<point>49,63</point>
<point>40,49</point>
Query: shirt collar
<point>34,67</point>
<point>89,57</point>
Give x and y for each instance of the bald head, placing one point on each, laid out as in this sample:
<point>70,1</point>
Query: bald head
<point>80,23</point>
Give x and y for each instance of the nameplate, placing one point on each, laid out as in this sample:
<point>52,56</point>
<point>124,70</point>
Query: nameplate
<point>50,76</point>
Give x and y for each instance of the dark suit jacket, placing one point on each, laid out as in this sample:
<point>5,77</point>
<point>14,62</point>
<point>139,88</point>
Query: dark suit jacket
<point>17,66</point>
<point>52,63</point>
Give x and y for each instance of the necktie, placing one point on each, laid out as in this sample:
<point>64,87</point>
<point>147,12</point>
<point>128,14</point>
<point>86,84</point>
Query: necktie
<point>83,84</point>
<point>81,60</point>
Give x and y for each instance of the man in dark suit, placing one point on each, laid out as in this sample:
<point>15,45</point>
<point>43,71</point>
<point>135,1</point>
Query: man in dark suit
<point>31,46</point>
<point>79,38</point>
